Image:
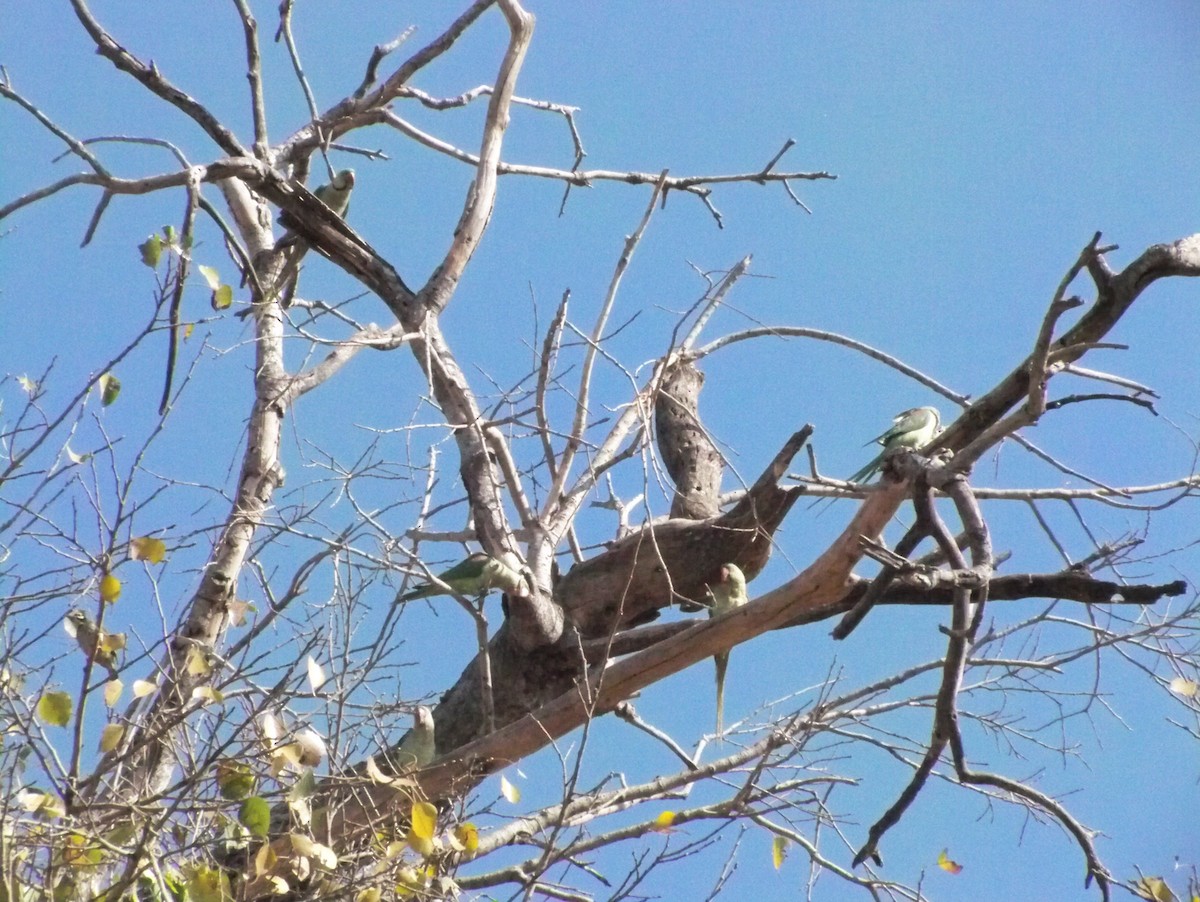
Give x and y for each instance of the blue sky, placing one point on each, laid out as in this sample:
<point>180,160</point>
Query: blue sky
<point>977,149</point>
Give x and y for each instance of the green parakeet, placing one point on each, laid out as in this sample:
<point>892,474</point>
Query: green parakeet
<point>910,429</point>
<point>727,595</point>
<point>103,648</point>
<point>419,746</point>
<point>336,196</point>
<point>477,575</point>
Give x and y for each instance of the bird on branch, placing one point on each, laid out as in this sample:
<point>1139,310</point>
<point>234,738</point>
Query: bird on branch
<point>336,196</point>
<point>419,746</point>
<point>910,429</point>
<point>728,594</point>
<point>477,575</point>
<point>103,648</point>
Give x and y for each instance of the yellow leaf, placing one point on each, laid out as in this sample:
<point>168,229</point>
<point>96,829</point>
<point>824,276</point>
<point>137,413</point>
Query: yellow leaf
<point>369,895</point>
<point>408,883</point>
<point>110,588</point>
<point>111,643</point>
<point>422,845</point>
<point>322,855</point>
<point>221,298</point>
<point>316,676</point>
<point>197,662</point>
<point>1155,889</point>
<point>208,694</point>
<point>188,330</point>
<point>79,852</point>
<point>9,681</point>
<point>374,774</point>
<point>27,385</point>
<point>662,823</point>
<point>270,726</point>
<point>1186,688</point>
<point>467,835</point>
<point>238,611</point>
<point>311,747</point>
<point>30,799</point>
<point>290,753</point>
<point>510,792</point>
<point>211,276</point>
<point>779,850</point>
<point>110,387</point>
<point>77,458</point>
<point>112,692</point>
<point>950,867</point>
<point>146,548</point>
<point>110,737</point>
<point>55,708</point>
<point>264,859</point>
<point>424,819</point>
<point>35,801</point>
<point>142,688</point>
<point>205,884</point>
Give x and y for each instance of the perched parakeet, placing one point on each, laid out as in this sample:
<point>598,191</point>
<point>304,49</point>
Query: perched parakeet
<point>336,196</point>
<point>419,746</point>
<point>477,575</point>
<point>910,429</point>
<point>728,594</point>
<point>103,648</point>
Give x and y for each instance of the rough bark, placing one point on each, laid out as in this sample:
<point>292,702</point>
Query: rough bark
<point>691,458</point>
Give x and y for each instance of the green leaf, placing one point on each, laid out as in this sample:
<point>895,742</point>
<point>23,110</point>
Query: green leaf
<point>55,708</point>
<point>255,815</point>
<point>151,249</point>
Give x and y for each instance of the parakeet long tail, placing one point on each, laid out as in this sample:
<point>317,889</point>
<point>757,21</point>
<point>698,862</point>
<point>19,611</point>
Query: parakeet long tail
<point>721,659</point>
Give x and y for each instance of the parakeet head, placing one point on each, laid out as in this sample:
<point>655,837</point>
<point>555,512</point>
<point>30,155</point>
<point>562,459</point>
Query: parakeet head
<point>732,576</point>
<point>344,180</point>
<point>919,416</point>
<point>75,620</point>
<point>423,718</point>
<point>934,414</point>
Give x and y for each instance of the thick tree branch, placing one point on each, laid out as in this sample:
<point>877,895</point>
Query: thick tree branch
<point>1115,293</point>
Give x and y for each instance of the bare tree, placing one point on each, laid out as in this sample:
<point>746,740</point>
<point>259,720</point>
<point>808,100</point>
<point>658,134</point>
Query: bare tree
<point>256,753</point>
